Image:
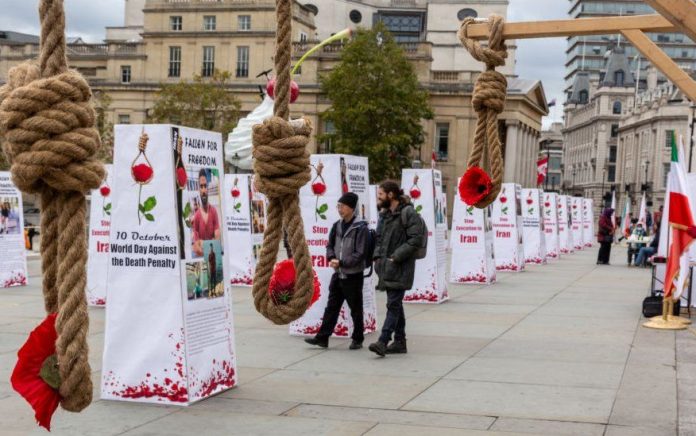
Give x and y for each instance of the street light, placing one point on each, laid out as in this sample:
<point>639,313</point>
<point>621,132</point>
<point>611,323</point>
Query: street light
<point>573,185</point>
<point>235,161</point>
<point>604,175</point>
<point>647,165</point>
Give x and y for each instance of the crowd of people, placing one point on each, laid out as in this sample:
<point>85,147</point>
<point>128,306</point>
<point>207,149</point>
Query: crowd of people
<point>642,238</point>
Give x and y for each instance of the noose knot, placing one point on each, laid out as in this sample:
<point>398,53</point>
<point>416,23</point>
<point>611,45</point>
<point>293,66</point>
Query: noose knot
<point>48,129</point>
<point>490,92</point>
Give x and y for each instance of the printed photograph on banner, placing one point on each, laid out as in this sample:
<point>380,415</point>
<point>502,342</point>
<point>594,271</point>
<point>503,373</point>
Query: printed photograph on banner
<point>344,175</point>
<point>197,280</point>
<point>205,211</point>
<point>9,215</point>
<point>212,256</point>
<point>258,216</point>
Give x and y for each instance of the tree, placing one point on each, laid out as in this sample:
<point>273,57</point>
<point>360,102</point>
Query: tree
<point>204,103</point>
<point>102,103</point>
<point>377,103</point>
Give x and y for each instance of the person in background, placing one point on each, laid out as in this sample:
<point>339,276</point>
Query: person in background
<point>605,236</point>
<point>633,247</point>
<point>657,219</point>
<point>648,220</point>
<point>644,253</point>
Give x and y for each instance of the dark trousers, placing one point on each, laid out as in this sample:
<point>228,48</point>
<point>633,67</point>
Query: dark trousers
<point>349,290</point>
<point>395,321</point>
<point>604,252</point>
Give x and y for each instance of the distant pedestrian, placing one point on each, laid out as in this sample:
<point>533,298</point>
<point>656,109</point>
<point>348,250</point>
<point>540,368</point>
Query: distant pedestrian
<point>605,236</point>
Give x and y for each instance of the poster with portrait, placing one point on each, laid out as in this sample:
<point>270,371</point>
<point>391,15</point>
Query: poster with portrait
<point>245,221</point>
<point>332,176</point>
<point>507,229</point>
<point>169,334</point>
<point>533,227</point>
<point>551,226</point>
<point>13,267</point>
<point>565,235</point>
<point>424,186</point>
<point>576,222</point>
<point>471,241</point>
<point>588,233</point>
<point>98,246</point>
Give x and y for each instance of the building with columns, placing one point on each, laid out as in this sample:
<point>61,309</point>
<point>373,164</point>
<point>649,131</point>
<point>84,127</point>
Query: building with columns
<point>167,41</point>
<point>551,146</point>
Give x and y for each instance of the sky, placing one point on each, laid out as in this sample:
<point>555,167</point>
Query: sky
<point>541,59</point>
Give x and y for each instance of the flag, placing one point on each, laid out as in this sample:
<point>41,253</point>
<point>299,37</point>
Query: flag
<point>613,208</point>
<point>642,216</point>
<point>542,169</point>
<point>681,226</point>
<point>627,218</point>
<point>433,160</point>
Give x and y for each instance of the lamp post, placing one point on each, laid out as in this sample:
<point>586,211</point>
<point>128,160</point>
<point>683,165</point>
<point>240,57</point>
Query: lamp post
<point>647,165</point>
<point>604,175</point>
<point>573,185</point>
<point>235,162</point>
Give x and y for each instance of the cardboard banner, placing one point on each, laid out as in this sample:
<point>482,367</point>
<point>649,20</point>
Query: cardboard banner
<point>318,200</point>
<point>169,333</point>
<point>533,227</point>
<point>373,208</point>
<point>424,186</point>
<point>13,267</point>
<point>576,218</point>
<point>551,235</point>
<point>588,233</point>
<point>245,221</point>
<point>565,235</point>
<point>507,229</point>
<point>100,207</point>
<point>471,243</point>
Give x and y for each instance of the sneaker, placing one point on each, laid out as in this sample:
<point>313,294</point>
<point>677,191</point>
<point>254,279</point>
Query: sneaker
<point>397,347</point>
<point>355,345</point>
<point>378,348</point>
<point>318,342</point>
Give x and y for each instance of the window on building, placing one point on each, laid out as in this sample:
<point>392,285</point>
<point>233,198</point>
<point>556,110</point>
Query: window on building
<point>124,119</point>
<point>441,140</point>
<point>405,27</point>
<point>619,78</point>
<point>611,174</point>
<point>612,154</point>
<point>355,16</point>
<point>614,130</point>
<point>209,22</point>
<point>665,173</point>
<point>329,130</point>
<point>669,138</point>
<point>244,22</point>
<point>617,107</point>
<point>303,37</point>
<point>174,61</point>
<point>125,73</point>
<point>555,163</point>
<point>465,13</point>
<point>584,96</point>
<point>243,61</point>
<point>208,61</point>
<point>175,23</point>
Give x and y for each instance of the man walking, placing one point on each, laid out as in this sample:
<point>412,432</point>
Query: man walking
<point>400,234</point>
<point>346,254</point>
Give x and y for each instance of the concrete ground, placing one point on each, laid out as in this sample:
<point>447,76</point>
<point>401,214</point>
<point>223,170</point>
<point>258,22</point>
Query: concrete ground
<point>556,350</point>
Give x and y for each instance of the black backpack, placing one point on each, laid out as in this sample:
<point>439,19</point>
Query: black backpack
<point>370,249</point>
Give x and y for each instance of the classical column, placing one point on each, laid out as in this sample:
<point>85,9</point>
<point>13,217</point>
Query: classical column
<point>511,150</point>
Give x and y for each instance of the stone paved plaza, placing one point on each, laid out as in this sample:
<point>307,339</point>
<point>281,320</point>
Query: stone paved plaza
<point>555,350</point>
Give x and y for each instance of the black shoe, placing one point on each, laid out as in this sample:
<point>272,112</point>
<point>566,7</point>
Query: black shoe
<point>318,342</point>
<point>355,345</point>
<point>379,348</point>
<point>397,347</point>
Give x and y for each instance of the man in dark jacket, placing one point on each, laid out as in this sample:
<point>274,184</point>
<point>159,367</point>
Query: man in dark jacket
<point>399,235</point>
<point>346,253</point>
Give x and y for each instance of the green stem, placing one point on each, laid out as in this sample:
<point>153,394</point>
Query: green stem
<point>346,33</point>
<point>140,190</point>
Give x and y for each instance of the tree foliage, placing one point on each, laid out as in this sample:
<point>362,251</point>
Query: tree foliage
<point>204,103</point>
<point>377,104</point>
<point>102,104</point>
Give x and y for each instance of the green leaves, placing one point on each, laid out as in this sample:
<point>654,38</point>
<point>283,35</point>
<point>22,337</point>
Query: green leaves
<point>187,210</point>
<point>238,207</point>
<point>419,208</point>
<point>107,209</point>
<point>321,211</point>
<point>149,204</point>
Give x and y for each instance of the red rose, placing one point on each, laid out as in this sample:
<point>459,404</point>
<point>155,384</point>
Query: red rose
<point>415,193</point>
<point>105,191</point>
<point>474,186</point>
<point>294,89</point>
<point>235,193</point>
<point>503,199</point>
<point>33,365</point>
<point>318,188</point>
<point>547,204</point>
<point>181,177</point>
<point>530,201</point>
<point>142,173</point>
<point>282,285</point>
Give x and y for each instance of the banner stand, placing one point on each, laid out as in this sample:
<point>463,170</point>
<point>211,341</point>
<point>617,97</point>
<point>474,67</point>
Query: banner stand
<point>507,229</point>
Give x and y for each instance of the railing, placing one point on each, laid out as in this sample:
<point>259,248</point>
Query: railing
<point>184,2</point>
<point>445,76</point>
<point>410,48</point>
<point>403,3</point>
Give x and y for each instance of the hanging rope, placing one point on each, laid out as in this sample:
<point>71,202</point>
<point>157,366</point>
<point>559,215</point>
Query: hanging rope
<point>47,121</point>
<point>488,101</point>
<point>281,164</point>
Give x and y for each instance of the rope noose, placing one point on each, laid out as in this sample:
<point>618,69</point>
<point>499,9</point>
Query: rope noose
<point>488,101</point>
<point>47,121</point>
<point>281,164</point>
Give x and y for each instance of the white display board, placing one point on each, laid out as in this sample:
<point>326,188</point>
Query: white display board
<point>373,208</point>
<point>169,333</point>
<point>245,221</point>
<point>588,233</point>
<point>576,222</point>
<point>424,186</point>
<point>13,267</point>
<point>533,227</point>
<point>553,250</point>
<point>99,242</point>
<point>507,229</point>
<point>471,242</point>
<point>318,200</point>
<point>565,234</point>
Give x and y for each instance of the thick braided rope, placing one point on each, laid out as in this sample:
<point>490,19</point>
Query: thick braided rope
<point>281,105</point>
<point>47,122</point>
<point>281,164</point>
<point>488,101</point>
